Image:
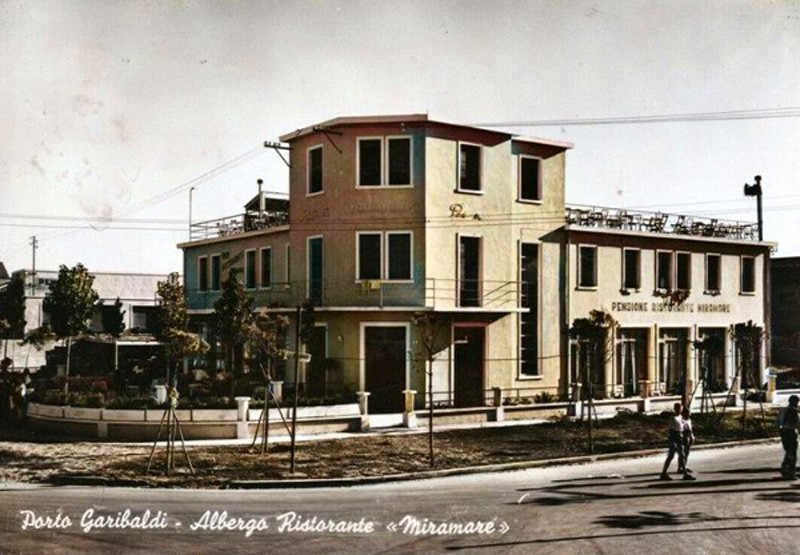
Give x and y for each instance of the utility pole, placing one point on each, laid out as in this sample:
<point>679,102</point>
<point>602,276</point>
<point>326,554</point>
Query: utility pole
<point>755,191</point>
<point>34,245</point>
<point>191,190</point>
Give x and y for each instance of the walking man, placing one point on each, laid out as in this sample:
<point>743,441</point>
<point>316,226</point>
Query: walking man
<point>675,442</point>
<point>788,421</point>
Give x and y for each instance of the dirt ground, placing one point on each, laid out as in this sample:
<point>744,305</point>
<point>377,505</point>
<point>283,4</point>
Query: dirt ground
<point>29,457</point>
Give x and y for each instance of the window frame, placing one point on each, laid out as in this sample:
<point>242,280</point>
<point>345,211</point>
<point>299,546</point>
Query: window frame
<point>211,258</point>
<point>539,188</point>
<point>677,283</point>
<point>309,192</point>
<point>671,274</point>
<point>718,289</point>
<point>537,314</point>
<point>359,279</point>
<point>459,274</point>
<point>579,266</point>
<point>385,162</point>
<point>638,252</point>
<point>202,275</point>
<point>247,285</point>
<point>742,290</point>
<point>381,155</point>
<point>383,255</point>
<point>261,268</point>
<point>288,259</point>
<point>387,256</point>
<point>388,161</point>
<point>459,189</point>
<point>309,239</point>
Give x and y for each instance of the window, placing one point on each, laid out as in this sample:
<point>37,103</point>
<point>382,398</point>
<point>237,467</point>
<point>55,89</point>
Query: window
<point>250,269</point>
<point>315,270</point>
<point>713,264</point>
<point>369,256</point>
<point>202,273</point>
<point>288,266</point>
<point>469,271</point>
<point>266,267</point>
<point>398,263</point>
<point>528,320</point>
<point>469,167</point>
<point>587,266</point>
<point>216,270</point>
<point>384,162</point>
<point>529,179</point>
<point>369,162</point>
<point>631,269</point>
<point>314,170</point>
<point>664,270</point>
<point>384,256</point>
<point>684,272</point>
<point>748,266</point>
<point>399,160</point>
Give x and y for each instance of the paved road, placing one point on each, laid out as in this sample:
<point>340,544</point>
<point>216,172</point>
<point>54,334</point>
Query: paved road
<point>736,506</point>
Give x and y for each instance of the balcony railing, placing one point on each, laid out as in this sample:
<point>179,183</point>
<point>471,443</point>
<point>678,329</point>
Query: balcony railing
<point>239,223</point>
<point>659,222</point>
<point>436,293</point>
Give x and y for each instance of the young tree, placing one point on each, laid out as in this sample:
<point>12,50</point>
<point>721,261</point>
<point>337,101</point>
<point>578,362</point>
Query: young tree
<point>432,333</point>
<point>12,311</point>
<point>748,338</point>
<point>593,336</point>
<point>70,303</point>
<point>173,323</point>
<point>233,318</point>
<point>113,318</point>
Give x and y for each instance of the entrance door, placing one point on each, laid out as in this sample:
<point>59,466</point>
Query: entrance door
<point>468,362</point>
<point>385,367</point>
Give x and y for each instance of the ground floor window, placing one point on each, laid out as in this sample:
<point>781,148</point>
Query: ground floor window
<point>631,367</point>
<point>711,358</point>
<point>672,362</point>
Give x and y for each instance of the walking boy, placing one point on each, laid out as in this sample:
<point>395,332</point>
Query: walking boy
<point>675,441</point>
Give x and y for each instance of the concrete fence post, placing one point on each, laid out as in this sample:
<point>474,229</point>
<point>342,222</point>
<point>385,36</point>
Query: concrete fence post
<point>772,380</point>
<point>409,416</point>
<point>497,402</point>
<point>242,426</point>
<point>363,406</point>
<point>576,403</point>
<point>277,390</point>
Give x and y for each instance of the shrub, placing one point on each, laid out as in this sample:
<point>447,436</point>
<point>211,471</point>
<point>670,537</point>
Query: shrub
<point>124,402</point>
<point>545,397</point>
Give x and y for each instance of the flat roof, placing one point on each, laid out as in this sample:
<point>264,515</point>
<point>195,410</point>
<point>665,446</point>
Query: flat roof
<point>410,118</point>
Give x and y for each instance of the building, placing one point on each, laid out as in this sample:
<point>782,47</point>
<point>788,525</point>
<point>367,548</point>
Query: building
<point>668,282</point>
<point>136,293</point>
<point>393,216</point>
<point>785,312</point>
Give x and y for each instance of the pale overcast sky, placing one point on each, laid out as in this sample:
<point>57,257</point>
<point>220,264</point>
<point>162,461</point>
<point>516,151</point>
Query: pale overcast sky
<point>107,108</point>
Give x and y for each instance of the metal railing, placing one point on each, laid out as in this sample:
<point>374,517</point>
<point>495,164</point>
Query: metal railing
<point>659,222</point>
<point>238,223</point>
<point>436,293</point>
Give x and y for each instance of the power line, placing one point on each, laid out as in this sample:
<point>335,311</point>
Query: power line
<point>765,113</point>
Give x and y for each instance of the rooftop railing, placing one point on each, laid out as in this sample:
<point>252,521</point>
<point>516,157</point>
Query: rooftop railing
<point>239,223</point>
<point>659,222</point>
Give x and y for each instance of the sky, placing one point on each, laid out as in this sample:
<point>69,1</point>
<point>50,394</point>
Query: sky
<point>111,111</point>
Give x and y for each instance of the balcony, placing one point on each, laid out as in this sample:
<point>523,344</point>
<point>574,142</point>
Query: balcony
<point>578,216</point>
<point>433,293</point>
<point>269,213</point>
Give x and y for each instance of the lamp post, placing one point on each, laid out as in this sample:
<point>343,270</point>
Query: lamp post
<point>755,191</point>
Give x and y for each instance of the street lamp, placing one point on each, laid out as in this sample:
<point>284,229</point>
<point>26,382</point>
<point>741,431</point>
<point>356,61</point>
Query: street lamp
<point>755,191</point>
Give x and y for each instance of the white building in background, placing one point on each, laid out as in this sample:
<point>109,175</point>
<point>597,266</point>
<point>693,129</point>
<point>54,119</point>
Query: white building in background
<point>136,292</point>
